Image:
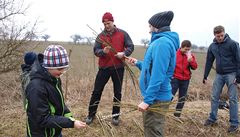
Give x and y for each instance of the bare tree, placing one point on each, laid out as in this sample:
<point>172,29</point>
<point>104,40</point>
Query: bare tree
<point>194,46</point>
<point>76,38</point>
<point>45,37</point>
<point>90,40</point>
<point>201,48</point>
<point>144,42</point>
<point>15,38</point>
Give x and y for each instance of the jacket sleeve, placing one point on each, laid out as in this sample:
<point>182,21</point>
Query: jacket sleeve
<point>39,109</point>
<point>209,62</point>
<point>67,112</point>
<point>193,63</point>
<point>98,50</point>
<point>139,64</point>
<point>128,44</point>
<point>237,56</point>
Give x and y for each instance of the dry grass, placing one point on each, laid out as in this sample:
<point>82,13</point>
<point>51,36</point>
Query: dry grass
<point>81,78</point>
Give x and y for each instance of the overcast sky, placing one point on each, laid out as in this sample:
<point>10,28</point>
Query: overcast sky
<point>193,19</point>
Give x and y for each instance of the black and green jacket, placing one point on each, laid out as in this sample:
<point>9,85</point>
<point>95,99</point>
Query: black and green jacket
<point>47,113</point>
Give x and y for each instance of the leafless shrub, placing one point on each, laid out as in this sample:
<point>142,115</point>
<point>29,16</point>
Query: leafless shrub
<point>14,38</point>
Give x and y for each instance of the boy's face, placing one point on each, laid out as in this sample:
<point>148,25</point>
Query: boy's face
<point>57,72</point>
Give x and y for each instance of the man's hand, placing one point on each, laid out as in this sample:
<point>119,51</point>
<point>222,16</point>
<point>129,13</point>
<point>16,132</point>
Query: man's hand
<point>106,49</point>
<point>120,55</point>
<point>143,107</point>
<point>131,61</point>
<point>237,81</point>
<point>204,81</point>
<point>79,124</point>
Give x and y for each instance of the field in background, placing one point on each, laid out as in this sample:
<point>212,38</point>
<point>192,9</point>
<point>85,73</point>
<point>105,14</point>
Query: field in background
<point>78,84</point>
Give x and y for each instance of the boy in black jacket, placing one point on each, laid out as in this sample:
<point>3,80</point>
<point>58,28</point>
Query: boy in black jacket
<point>47,113</point>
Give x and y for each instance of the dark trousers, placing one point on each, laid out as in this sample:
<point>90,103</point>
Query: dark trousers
<point>182,86</point>
<point>102,78</point>
<point>154,121</point>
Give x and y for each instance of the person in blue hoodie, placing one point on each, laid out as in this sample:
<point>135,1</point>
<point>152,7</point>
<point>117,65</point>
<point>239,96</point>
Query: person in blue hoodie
<point>157,69</point>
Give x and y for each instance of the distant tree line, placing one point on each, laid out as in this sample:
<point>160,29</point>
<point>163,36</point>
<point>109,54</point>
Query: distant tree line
<point>145,43</point>
<point>76,39</point>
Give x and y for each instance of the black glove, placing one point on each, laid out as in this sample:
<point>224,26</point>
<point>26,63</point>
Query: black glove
<point>237,79</point>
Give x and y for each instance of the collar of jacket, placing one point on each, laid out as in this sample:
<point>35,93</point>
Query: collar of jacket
<point>106,33</point>
<point>163,29</point>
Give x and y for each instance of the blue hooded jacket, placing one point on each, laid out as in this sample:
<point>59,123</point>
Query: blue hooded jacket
<point>158,67</point>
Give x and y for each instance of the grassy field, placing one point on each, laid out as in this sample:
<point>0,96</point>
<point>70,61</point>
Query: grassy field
<point>78,85</point>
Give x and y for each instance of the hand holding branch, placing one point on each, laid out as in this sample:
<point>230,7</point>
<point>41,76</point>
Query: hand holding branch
<point>106,49</point>
<point>143,107</point>
<point>79,124</point>
<point>120,55</point>
<point>132,61</point>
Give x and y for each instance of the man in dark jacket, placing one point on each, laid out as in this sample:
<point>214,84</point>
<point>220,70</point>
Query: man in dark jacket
<point>47,113</point>
<point>185,62</point>
<point>227,55</point>
<point>111,46</point>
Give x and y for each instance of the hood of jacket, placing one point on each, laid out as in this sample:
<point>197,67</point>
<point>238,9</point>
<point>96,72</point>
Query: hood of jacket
<point>226,37</point>
<point>26,67</point>
<point>173,36</point>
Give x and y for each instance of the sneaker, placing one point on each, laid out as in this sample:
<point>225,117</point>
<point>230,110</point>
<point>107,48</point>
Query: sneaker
<point>232,129</point>
<point>89,120</point>
<point>209,123</point>
<point>115,121</point>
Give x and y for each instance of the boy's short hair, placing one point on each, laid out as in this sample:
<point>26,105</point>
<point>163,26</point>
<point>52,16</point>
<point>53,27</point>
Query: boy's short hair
<point>55,56</point>
<point>29,58</point>
<point>186,43</point>
<point>218,29</point>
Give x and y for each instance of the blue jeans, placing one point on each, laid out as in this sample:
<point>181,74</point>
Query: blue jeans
<point>218,84</point>
<point>182,86</point>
